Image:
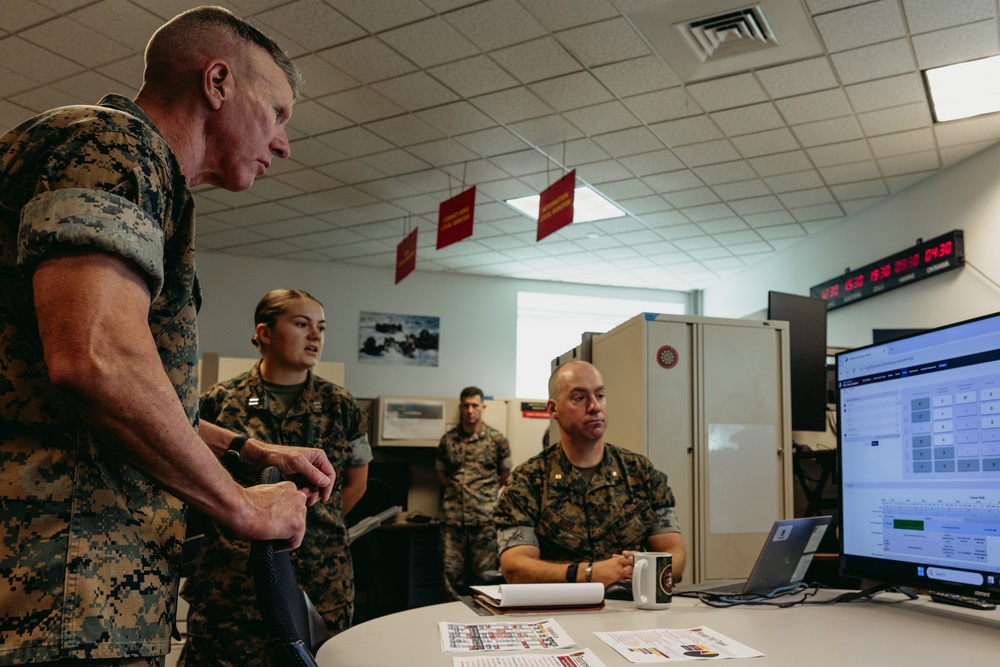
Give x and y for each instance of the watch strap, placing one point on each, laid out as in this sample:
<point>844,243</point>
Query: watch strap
<point>571,571</point>
<point>589,572</point>
<point>231,457</point>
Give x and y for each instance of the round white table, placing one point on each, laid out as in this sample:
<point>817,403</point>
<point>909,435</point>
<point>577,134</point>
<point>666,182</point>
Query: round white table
<point>880,632</point>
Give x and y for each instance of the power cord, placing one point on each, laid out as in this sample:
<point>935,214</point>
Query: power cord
<point>807,591</point>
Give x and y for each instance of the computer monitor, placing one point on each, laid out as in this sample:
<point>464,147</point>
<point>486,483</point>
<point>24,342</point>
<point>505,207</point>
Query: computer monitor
<point>919,457</point>
<point>806,317</point>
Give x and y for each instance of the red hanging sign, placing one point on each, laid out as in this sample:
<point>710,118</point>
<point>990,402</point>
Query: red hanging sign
<point>406,256</point>
<point>455,218</point>
<point>555,206</point>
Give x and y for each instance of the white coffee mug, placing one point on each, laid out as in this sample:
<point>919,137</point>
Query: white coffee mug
<point>652,580</point>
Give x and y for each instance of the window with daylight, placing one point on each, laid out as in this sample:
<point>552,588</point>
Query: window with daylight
<point>550,324</point>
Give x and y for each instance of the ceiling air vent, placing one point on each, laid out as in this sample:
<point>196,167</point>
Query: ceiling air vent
<point>734,32</point>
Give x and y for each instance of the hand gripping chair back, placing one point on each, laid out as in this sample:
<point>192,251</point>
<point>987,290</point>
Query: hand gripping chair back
<point>295,628</point>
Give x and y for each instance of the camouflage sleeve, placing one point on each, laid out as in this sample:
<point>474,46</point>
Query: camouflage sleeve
<point>441,454</point>
<point>357,433</point>
<point>505,461</point>
<point>662,499</point>
<point>361,452</point>
<point>209,404</point>
<point>516,513</point>
<point>95,218</point>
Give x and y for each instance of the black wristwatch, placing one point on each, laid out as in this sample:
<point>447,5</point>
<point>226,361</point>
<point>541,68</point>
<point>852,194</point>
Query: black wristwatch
<point>231,458</point>
<point>571,571</point>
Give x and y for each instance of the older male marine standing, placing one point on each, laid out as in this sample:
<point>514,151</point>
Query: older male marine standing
<point>99,440</point>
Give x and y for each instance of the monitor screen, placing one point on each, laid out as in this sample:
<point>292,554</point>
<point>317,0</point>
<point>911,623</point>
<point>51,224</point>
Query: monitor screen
<point>806,319</point>
<point>919,450</point>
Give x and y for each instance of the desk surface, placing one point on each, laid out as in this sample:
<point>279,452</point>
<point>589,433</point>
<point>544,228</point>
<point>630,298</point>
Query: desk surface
<point>879,632</point>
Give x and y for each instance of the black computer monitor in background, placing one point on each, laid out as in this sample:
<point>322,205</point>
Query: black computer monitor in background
<point>806,317</point>
<point>919,458</point>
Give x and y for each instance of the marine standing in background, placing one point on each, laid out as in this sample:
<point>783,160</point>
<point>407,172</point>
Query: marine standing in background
<point>100,445</point>
<point>473,462</point>
<point>280,400</point>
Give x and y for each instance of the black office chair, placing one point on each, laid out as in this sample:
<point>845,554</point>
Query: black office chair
<point>295,628</point>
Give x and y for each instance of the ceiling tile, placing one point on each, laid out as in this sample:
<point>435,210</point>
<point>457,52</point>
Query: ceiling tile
<point>874,62</point>
<point>415,91</point>
<point>571,91</point>
<point>896,119</point>
<point>849,173</point>
<point>742,189</point>
<point>638,75</point>
<point>765,143</point>
<point>633,141</point>
<point>430,42</point>
<point>561,14</point>
<point>384,14</point>
<point>903,142</point>
<point>780,163</point>
<point>928,15</point>
<point>725,172</point>
<point>727,92</point>
<point>842,153</point>
<point>814,106</point>
<point>686,131</point>
<point>744,120</point>
<point>455,118</point>
<point>602,118</point>
<point>404,130</point>
<point>512,105</point>
<point>861,25</point>
<point>910,163</point>
<point>533,61</point>
<point>473,76</point>
<point>798,78</point>
<point>893,91</point>
<point>828,131</point>
<point>495,24</point>
<point>313,23</point>
<point>604,42</point>
<point>662,105</point>
<point>800,180</point>
<point>652,162</point>
<point>955,45</point>
<point>367,60</point>
<point>709,152</point>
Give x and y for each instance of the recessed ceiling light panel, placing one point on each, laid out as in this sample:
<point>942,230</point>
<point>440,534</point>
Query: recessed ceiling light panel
<point>964,89</point>
<point>587,206</point>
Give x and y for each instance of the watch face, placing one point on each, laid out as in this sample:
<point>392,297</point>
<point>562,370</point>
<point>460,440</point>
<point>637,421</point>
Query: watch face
<point>666,357</point>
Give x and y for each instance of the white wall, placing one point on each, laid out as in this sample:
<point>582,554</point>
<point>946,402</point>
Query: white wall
<point>964,196</point>
<point>478,318</point>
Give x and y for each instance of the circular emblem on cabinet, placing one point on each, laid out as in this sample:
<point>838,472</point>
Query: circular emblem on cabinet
<point>667,357</point>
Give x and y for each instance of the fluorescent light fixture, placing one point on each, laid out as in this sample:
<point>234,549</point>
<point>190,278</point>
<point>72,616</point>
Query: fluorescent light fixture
<point>965,89</point>
<point>587,206</point>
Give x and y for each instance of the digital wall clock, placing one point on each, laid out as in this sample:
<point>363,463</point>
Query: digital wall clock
<point>925,259</point>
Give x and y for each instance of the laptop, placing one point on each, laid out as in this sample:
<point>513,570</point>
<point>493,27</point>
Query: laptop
<point>783,561</point>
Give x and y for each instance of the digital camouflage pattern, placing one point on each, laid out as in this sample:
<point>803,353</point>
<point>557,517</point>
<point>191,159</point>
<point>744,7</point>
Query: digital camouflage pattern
<point>547,503</point>
<point>90,547</point>
<point>220,590</point>
<point>466,553</point>
<point>472,462</point>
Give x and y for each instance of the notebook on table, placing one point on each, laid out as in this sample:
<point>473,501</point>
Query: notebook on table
<point>782,562</point>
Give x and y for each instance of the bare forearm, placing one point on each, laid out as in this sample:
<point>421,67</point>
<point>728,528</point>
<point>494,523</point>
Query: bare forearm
<point>672,543</point>
<point>355,483</point>
<point>99,352</point>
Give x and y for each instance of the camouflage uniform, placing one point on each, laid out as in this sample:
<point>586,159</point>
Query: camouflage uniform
<point>473,464</point>
<point>224,626</point>
<point>548,504</point>
<point>90,547</point>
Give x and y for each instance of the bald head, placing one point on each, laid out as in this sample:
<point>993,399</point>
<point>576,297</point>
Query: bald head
<point>179,50</point>
<point>567,370</point>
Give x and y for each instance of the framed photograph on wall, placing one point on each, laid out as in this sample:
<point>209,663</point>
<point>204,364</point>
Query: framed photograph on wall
<point>388,338</point>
